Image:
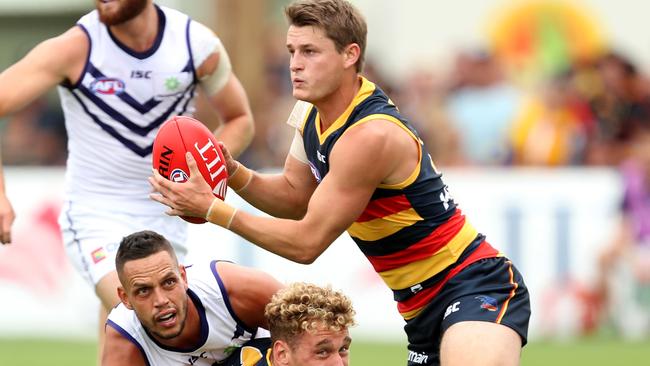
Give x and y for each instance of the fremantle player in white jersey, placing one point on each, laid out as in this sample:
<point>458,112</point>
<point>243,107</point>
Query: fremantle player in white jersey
<point>175,315</point>
<point>121,71</point>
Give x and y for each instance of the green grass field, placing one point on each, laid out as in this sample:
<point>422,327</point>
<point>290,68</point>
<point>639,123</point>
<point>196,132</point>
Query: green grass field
<point>591,352</point>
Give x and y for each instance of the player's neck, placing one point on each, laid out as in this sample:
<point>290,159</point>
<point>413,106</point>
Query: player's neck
<point>332,107</point>
<point>139,33</point>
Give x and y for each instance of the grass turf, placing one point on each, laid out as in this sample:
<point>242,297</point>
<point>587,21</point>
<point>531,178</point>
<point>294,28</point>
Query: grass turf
<point>592,352</point>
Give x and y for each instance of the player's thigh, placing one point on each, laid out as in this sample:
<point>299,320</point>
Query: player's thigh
<point>92,237</point>
<point>481,343</point>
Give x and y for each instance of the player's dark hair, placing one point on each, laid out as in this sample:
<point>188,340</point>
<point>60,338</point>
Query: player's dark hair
<point>140,245</point>
<point>340,20</point>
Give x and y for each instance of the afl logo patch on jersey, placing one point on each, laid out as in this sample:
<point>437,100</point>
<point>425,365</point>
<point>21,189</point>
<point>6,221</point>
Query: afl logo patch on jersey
<point>178,176</point>
<point>108,86</point>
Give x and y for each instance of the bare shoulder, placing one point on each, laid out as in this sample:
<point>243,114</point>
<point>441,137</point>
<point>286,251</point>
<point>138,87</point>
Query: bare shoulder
<point>374,136</point>
<point>378,147</point>
<point>249,290</point>
<point>240,279</point>
<point>65,53</point>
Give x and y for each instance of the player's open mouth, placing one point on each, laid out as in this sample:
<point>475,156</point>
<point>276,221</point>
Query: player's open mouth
<point>167,320</point>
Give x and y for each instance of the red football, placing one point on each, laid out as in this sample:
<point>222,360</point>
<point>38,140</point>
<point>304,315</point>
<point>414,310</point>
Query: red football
<point>181,134</point>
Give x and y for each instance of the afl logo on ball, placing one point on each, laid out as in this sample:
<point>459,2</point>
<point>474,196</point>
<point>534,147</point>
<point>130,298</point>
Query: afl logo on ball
<point>107,86</point>
<point>178,176</point>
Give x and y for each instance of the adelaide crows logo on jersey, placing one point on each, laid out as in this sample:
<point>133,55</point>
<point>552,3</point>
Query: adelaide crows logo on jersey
<point>488,302</point>
<point>106,85</point>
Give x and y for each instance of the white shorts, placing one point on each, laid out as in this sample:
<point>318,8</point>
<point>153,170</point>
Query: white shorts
<point>92,236</point>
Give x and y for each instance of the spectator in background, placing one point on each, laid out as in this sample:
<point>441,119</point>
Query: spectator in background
<point>552,127</point>
<point>622,95</point>
<point>626,262</point>
<point>422,99</point>
<point>35,136</point>
<point>482,106</point>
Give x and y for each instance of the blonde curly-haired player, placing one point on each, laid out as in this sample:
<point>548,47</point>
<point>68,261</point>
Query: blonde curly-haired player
<point>309,326</point>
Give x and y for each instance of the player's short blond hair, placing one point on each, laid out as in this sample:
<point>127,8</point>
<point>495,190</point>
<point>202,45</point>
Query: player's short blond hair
<point>302,307</point>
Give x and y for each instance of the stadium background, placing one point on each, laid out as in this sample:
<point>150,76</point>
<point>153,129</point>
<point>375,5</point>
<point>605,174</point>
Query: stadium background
<point>552,218</point>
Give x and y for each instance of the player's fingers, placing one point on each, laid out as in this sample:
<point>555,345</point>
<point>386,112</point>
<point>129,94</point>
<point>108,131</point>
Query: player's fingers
<point>231,164</point>
<point>191,164</point>
<point>172,212</point>
<point>6,229</point>
<point>158,183</point>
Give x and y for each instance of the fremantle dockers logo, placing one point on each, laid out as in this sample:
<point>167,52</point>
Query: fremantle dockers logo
<point>178,176</point>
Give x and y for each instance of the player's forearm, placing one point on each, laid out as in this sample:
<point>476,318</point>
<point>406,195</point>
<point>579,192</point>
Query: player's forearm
<point>237,133</point>
<point>290,239</point>
<point>273,194</point>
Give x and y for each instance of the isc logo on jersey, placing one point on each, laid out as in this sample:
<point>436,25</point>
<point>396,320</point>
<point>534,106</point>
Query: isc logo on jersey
<point>108,86</point>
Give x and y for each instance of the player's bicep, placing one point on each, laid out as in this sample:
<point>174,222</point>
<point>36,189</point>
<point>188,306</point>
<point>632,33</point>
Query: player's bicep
<point>231,101</point>
<point>356,170</point>
<point>45,66</point>
<point>120,351</point>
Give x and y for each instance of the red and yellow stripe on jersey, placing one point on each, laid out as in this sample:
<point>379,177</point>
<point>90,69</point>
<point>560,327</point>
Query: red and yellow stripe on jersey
<point>411,232</point>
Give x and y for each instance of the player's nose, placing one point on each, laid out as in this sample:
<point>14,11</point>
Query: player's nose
<point>160,298</point>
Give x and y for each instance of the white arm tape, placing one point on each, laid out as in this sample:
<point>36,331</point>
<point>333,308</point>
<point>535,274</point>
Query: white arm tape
<point>299,114</point>
<point>213,83</point>
<point>297,149</point>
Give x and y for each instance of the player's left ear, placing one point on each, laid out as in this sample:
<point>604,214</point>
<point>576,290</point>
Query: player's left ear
<point>125,300</point>
<point>281,353</point>
<point>351,54</point>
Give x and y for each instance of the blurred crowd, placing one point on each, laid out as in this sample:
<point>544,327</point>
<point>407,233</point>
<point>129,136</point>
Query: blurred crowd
<point>474,113</point>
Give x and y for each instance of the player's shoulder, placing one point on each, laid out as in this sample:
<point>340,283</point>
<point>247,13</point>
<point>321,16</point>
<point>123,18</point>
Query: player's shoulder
<point>65,50</point>
<point>123,320</point>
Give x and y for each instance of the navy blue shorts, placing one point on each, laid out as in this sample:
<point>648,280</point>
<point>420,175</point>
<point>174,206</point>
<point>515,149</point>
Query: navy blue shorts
<point>490,290</point>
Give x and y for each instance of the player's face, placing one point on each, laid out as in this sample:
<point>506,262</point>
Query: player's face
<point>321,348</point>
<point>114,12</point>
<point>155,289</point>
<point>316,66</point>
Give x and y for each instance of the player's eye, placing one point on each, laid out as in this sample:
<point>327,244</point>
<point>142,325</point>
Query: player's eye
<point>142,291</point>
<point>170,282</point>
<point>323,353</point>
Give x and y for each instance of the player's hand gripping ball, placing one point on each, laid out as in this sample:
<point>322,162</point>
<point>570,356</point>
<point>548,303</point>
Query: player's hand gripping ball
<point>180,134</point>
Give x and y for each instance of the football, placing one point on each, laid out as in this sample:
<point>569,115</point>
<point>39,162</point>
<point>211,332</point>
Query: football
<point>180,134</point>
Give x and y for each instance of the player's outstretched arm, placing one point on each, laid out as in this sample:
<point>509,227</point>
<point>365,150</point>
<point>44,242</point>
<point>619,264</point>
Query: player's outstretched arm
<point>48,64</point>
<point>118,351</point>
<point>249,290</point>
